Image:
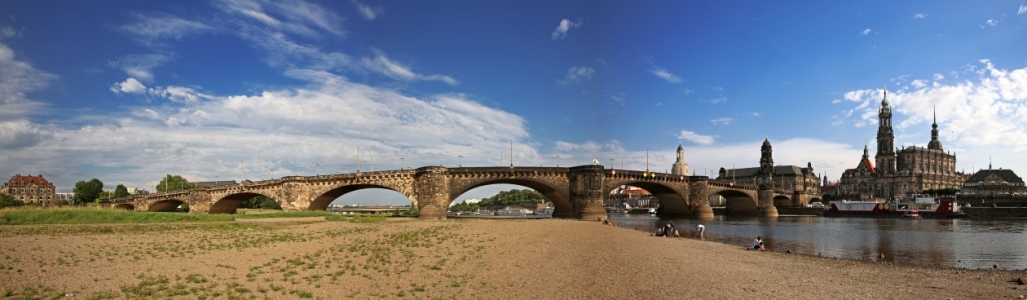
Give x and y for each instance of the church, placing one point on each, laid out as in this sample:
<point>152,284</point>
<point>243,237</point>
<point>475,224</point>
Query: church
<point>900,172</point>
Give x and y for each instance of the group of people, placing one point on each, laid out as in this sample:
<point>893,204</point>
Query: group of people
<point>669,229</point>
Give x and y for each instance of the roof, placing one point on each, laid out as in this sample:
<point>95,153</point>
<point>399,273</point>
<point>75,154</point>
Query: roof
<point>19,180</point>
<point>1006,175</point>
<point>923,149</point>
<point>870,165</point>
<point>778,170</point>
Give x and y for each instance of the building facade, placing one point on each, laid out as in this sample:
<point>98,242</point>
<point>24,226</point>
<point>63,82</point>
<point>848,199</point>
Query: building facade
<point>994,183</point>
<point>900,172</point>
<point>30,189</point>
<point>788,178</point>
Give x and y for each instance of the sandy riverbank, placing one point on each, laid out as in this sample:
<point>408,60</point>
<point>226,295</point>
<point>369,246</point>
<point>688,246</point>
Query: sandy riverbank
<point>463,259</point>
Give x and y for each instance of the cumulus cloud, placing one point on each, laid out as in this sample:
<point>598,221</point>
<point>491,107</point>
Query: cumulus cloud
<point>564,26</point>
<point>988,111</point>
<point>129,86</point>
<point>938,77</point>
<point>865,31</point>
<point>1022,10</point>
<point>695,137</point>
<point>369,13</point>
<point>381,64</point>
<point>17,79</point>
<point>665,75</point>
<point>577,74</point>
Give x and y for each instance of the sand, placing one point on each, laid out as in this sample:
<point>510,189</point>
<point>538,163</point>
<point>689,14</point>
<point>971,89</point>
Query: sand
<point>452,259</point>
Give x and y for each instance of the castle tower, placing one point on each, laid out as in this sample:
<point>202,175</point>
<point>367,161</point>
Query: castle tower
<point>885,158</point>
<point>680,167</point>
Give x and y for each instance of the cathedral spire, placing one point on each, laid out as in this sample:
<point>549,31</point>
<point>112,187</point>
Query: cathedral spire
<point>935,144</point>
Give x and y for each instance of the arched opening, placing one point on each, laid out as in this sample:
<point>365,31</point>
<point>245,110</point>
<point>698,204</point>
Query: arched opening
<point>507,200</point>
<point>782,201</point>
<point>738,203</point>
<point>365,199</point>
<point>230,204</point>
<point>640,197</point>
<point>167,206</point>
<point>125,206</point>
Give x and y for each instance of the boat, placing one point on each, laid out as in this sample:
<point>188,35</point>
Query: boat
<point>920,208</point>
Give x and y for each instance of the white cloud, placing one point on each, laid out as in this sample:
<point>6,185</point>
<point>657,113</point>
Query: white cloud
<point>718,99</point>
<point>938,77</point>
<point>865,31</point>
<point>756,114</point>
<point>179,94</point>
<point>298,17</point>
<point>665,75</point>
<point>17,79</point>
<point>129,86</point>
<point>990,22</point>
<point>564,26</point>
<point>151,28</point>
<point>919,15</point>
<point>695,137</point>
<point>577,74</point>
<point>918,83</point>
<point>369,13</point>
<point>140,65</point>
<point>7,32</point>
<point>381,64</point>
<point>722,121</point>
<point>1022,10</point>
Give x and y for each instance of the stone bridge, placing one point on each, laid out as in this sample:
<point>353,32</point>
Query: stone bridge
<point>576,192</point>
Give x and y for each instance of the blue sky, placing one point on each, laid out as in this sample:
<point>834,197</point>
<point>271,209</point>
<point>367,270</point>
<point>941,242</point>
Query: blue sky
<point>127,91</point>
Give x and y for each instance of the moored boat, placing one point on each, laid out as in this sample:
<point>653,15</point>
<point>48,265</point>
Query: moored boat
<point>921,208</point>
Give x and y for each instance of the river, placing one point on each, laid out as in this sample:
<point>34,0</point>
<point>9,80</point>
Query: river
<point>961,243</point>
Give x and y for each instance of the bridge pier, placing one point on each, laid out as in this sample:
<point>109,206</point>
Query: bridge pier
<point>703,210</point>
<point>766,201</point>
<point>586,191</point>
<point>432,192</point>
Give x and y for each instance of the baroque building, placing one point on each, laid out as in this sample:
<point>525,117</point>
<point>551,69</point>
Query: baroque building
<point>680,167</point>
<point>994,182</point>
<point>789,178</point>
<point>900,172</point>
<point>30,189</point>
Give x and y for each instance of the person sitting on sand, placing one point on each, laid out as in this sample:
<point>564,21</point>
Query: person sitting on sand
<point>608,223</point>
<point>668,229</point>
<point>700,228</point>
<point>758,244</point>
<point>659,231</point>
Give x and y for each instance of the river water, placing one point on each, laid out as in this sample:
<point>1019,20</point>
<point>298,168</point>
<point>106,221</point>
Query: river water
<point>961,243</point>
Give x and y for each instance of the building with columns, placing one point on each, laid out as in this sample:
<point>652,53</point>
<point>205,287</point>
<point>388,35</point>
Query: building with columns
<point>30,189</point>
<point>900,172</point>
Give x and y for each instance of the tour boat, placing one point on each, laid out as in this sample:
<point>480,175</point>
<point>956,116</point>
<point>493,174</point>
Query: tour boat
<point>921,208</point>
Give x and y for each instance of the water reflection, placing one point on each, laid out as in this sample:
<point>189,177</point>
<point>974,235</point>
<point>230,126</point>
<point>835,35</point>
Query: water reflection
<point>963,243</point>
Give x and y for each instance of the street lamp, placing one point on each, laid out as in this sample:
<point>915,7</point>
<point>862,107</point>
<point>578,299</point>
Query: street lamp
<point>461,163</point>
<point>401,163</point>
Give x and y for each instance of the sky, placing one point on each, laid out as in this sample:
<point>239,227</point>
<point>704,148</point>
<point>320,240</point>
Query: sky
<point>128,91</point>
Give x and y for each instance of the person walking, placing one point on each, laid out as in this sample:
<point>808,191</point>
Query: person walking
<point>701,229</point>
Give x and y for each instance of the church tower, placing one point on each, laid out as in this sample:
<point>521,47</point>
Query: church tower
<point>680,167</point>
<point>935,144</point>
<point>766,159</point>
<point>885,140</point>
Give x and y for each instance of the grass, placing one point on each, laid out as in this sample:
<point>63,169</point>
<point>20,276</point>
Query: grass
<point>27,216</point>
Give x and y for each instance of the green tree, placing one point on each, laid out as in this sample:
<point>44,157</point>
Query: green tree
<point>9,201</point>
<point>87,191</point>
<point>173,183</point>
<point>120,191</point>
<point>514,197</point>
<point>263,202</point>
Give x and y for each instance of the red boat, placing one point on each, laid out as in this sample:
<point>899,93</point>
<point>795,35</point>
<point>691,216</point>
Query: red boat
<point>921,208</point>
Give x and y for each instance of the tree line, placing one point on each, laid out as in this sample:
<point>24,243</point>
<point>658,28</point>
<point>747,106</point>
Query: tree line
<point>503,198</point>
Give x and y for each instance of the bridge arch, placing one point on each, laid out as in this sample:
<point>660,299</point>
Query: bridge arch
<point>322,201</point>
<point>738,202</point>
<point>124,206</point>
<point>670,199</point>
<point>782,201</point>
<point>169,205</point>
<point>561,202</point>
<point>230,204</point>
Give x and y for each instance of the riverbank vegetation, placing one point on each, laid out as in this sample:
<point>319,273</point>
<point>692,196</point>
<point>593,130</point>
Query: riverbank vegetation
<point>504,198</point>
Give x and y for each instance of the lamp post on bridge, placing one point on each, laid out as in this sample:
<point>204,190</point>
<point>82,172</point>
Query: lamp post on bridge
<point>461,161</point>
<point>401,163</point>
